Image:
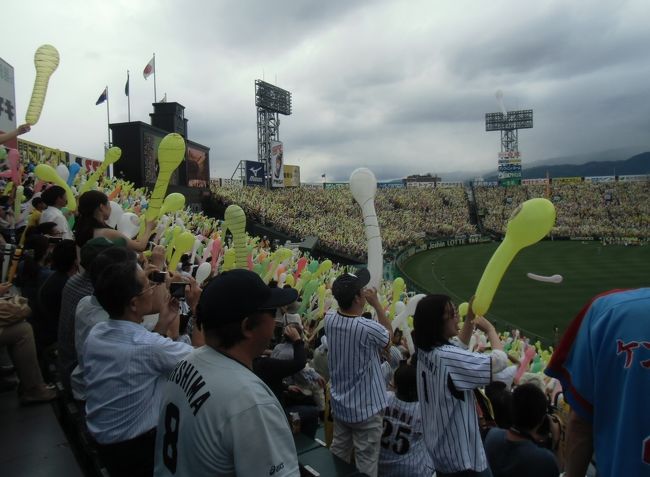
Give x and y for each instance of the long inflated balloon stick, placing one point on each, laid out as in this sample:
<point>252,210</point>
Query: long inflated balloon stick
<point>398,289</point>
<point>363,186</point>
<point>47,173</point>
<point>112,155</point>
<point>182,244</point>
<point>236,220</point>
<point>46,60</point>
<point>529,223</point>
<point>170,154</point>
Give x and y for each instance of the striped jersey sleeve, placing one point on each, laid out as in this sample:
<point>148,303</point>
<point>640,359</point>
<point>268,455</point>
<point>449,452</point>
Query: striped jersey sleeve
<point>467,370</point>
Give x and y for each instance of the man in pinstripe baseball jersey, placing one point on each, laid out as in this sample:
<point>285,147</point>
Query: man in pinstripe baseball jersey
<point>358,390</point>
<point>447,377</point>
<point>403,451</point>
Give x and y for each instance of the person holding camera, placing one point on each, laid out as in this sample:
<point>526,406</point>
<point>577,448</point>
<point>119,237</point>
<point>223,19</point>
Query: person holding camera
<point>125,366</point>
<point>518,450</point>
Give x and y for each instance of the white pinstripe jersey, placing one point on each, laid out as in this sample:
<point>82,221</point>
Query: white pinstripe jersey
<point>403,452</point>
<point>358,386</point>
<point>446,377</point>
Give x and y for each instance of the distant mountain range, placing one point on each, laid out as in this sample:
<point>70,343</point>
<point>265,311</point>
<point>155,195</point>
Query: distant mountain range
<point>625,161</point>
<point>639,164</point>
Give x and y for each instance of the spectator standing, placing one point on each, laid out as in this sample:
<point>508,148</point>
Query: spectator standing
<point>403,451</point>
<point>125,366</point>
<point>55,199</point>
<point>218,417</point>
<point>516,451</point>
<point>358,389</point>
<point>603,363</point>
<point>447,378</point>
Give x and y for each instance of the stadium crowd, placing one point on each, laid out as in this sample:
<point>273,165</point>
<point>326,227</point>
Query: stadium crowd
<point>405,216</point>
<point>178,375</point>
<point>607,209</point>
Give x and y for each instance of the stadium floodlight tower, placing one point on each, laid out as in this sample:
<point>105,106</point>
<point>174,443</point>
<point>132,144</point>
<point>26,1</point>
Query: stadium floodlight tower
<point>270,101</point>
<point>509,123</point>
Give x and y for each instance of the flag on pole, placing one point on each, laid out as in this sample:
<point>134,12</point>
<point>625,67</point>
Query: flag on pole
<point>322,176</point>
<point>150,68</point>
<point>126,87</point>
<point>102,97</point>
<point>164,99</point>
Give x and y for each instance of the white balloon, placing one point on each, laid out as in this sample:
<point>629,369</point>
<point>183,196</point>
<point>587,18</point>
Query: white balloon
<point>541,278</point>
<point>399,307</point>
<point>116,214</point>
<point>129,224</point>
<point>363,185</point>
<point>203,272</point>
<point>63,172</point>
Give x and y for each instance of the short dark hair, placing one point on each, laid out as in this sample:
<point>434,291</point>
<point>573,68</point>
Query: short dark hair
<point>429,322</point>
<point>529,405</point>
<point>64,256</point>
<point>36,201</point>
<point>52,193</point>
<point>229,334</point>
<point>406,382</point>
<point>116,286</point>
<point>107,257</point>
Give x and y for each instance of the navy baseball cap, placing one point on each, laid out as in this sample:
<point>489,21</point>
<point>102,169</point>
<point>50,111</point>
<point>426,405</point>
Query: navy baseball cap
<point>349,284</point>
<point>235,294</point>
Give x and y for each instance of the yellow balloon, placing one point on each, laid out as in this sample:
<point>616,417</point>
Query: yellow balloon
<point>290,280</point>
<point>236,223</point>
<point>463,308</point>
<point>172,203</point>
<point>229,260</point>
<point>398,289</point>
<point>529,223</point>
<point>111,156</point>
<point>182,244</point>
<point>324,267</point>
<point>47,173</point>
<point>170,154</point>
<point>46,60</point>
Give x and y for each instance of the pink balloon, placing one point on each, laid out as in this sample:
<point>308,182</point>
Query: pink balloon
<point>301,264</point>
<point>250,261</point>
<point>216,251</point>
<point>523,365</point>
<point>39,186</point>
<point>13,159</point>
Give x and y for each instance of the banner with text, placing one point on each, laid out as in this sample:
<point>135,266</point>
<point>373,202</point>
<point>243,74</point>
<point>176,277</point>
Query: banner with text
<point>255,173</point>
<point>291,176</point>
<point>7,101</point>
<point>277,164</point>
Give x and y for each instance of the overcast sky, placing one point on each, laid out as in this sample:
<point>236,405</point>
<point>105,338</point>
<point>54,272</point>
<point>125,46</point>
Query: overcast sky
<point>397,86</point>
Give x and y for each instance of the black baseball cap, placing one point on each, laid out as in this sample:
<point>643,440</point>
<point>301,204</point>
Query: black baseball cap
<point>349,284</point>
<point>233,295</point>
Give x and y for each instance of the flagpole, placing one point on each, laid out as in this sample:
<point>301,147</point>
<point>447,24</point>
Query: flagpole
<point>155,100</point>
<point>108,118</point>
<point>128,96</point>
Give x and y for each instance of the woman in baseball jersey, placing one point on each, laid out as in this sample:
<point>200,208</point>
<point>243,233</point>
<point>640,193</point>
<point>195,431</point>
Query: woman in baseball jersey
<point>447,375</point>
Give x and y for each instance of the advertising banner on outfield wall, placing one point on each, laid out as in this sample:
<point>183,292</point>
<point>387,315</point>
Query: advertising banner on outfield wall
<point>337,185</point>
<point>424,185</point>
<point>390,185</point>
<point>37,153</point>
<point>636,178</point>
<point>255,173</point>
<point>566,180</point>
<point>600,179</point>
<point>534,181</point>
<point>277,164</point>
<point>450,184</point>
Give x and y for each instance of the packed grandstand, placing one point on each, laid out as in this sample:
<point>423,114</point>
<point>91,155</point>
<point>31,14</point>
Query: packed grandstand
<point>613,210</point>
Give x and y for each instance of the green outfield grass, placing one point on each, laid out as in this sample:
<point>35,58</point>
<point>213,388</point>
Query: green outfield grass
<point>588,268</point>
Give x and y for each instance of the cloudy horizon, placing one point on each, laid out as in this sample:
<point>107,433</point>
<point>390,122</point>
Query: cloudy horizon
<point>400,87</point>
